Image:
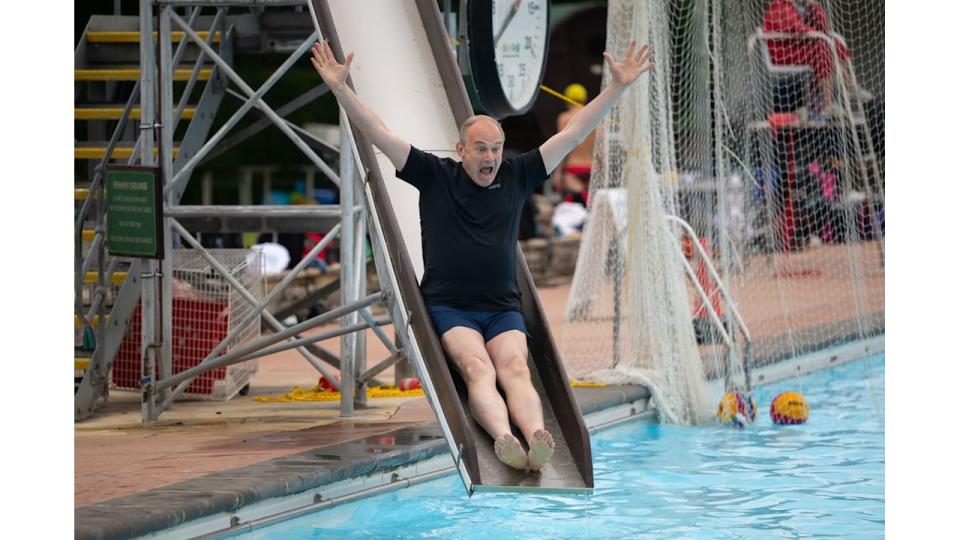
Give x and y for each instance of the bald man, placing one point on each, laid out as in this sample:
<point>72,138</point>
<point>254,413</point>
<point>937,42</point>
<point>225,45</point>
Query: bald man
<point>469,216</point>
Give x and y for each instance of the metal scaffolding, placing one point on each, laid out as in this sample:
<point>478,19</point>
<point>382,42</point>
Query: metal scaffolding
<point>151,281</point>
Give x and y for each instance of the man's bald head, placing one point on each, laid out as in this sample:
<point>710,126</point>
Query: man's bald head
<point>473,120</point>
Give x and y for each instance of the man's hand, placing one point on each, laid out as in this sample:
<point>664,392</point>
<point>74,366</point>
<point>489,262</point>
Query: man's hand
<point>626,71</point>
<point>363,117</point>
<point>332,72</point>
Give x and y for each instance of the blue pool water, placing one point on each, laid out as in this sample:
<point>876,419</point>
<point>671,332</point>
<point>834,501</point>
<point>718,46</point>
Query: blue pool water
<point>821,479</point>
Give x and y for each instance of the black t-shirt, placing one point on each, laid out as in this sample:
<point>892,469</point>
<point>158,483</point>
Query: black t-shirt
<point>468,232</point>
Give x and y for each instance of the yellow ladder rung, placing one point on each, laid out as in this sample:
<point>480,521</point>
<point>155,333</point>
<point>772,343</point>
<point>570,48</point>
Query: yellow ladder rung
<point>81,194</point>
<point>117,278</point>
<point>132,74</point>
<point>77,321</point>
<point>88,235</point>
<point>81,363</point>
<point>114,113</point>
<point>119,152</point>
<point>134,36</point>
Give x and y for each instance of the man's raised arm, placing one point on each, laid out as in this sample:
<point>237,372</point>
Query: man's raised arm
<point>623,74</point>
<point>363,117</point>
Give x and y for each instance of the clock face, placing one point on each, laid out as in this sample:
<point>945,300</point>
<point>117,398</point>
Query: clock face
<point>507,44</point>
<point>520,39</point>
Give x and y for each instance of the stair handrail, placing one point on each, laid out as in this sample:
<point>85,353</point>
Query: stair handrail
<point>725,293</point>
<point>96,185</point>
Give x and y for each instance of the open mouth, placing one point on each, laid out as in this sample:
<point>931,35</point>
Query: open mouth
<point>486,170</point>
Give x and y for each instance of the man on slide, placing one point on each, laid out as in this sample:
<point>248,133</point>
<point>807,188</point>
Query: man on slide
<point>469,215</point>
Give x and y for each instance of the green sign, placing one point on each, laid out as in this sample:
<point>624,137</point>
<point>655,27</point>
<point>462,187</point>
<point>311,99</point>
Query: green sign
<point>134,211</point>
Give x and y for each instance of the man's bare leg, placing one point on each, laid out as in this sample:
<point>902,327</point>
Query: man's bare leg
<point>508,351</point>
<point>464,346</point>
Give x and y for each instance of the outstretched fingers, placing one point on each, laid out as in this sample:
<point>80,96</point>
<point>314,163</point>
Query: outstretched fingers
<point>643,54</point>
<point>609,59</point>
<point>326,52</point>
<point>629,54</point>
<point>317,52</point>
<point>326,63</point>
<point>321,51</point>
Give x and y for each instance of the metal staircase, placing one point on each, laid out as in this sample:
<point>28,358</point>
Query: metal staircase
<point>116,121</point>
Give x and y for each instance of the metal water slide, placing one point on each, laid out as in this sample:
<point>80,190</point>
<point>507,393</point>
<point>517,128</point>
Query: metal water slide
<point>404,68</point>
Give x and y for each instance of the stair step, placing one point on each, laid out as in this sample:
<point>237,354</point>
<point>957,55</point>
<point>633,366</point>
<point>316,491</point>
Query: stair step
<point>132,74</point>
<point>134,37</point>
<point>81,363</point>
<point>81,194</point>
<point>88,235</point>
<point>94,151</point>
<point>117,278</point>
<point>114,113</point>
<point>77,321</point>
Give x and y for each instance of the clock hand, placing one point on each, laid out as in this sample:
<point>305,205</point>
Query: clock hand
<point>513,12</point>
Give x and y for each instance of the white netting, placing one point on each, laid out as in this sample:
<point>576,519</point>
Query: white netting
<point>783,186</point>
<point>206,309</point>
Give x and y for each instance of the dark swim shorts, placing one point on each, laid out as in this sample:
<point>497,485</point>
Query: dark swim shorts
<point>489,324</point>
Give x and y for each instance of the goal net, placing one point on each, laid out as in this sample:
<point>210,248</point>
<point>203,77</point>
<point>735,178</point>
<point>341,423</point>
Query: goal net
<point>761,127</point>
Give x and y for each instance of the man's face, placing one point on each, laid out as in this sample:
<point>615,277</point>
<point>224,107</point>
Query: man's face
<point>482,152</point>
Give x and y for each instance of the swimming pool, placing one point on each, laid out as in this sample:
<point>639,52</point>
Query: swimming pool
<point>821,479</point>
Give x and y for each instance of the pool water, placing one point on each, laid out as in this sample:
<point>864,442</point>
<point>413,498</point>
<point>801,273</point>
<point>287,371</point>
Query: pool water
<point>821,479</point>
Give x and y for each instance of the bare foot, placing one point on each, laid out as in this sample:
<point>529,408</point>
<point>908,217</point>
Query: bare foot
<point>541,449</point>
<point>508,450</point>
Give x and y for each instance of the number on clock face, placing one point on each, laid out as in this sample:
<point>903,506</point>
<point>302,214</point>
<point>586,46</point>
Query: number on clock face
<point>519,51</point>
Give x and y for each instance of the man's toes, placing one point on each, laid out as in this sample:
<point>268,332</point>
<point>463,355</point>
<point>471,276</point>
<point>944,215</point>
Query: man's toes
<point>508,450</point>
<point>541,449</point>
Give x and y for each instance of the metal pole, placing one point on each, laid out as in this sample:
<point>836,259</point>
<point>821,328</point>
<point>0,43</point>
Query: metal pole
<point>389,361</point>
<point>167,67</point>
<point>98,361</point>
<point>360,290</point>
<point>615,254</point>
<point>206,183</point>
<point>347,270</point>
<point>149,286</point>
<point>259,211</point>
<point>267,185</point>
<point>377,331</point>
<point>310,182</point>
